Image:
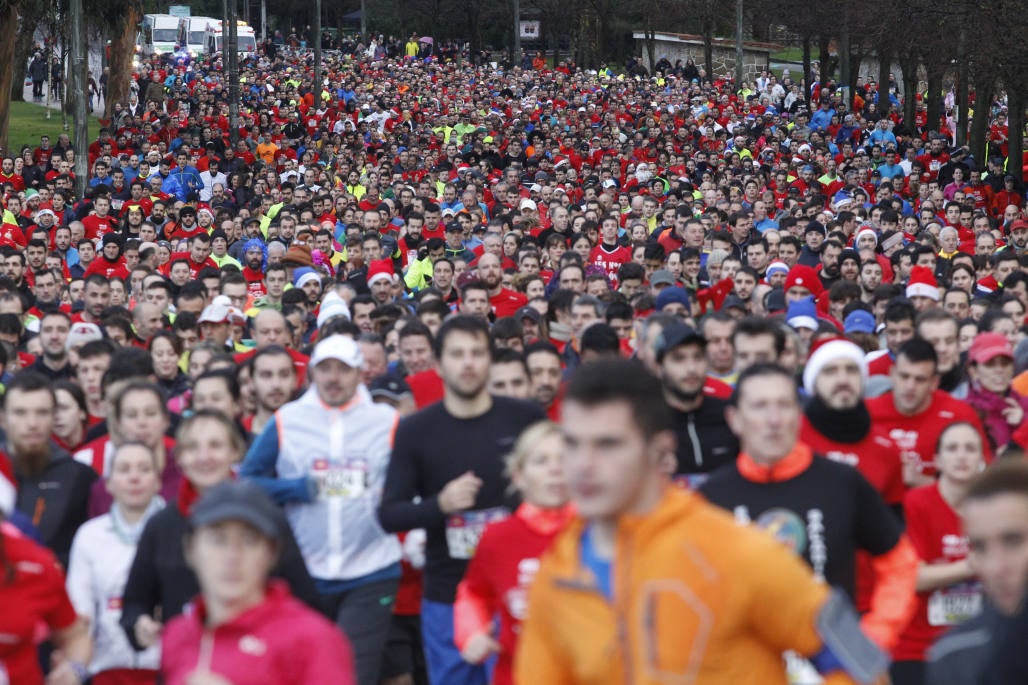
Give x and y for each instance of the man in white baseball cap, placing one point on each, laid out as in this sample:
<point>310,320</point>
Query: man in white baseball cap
<point>325,455</point>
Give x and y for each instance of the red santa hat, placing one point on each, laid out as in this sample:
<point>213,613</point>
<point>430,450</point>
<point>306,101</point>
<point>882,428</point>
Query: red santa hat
<point>379,269</point>
<point>922,283</point>
<point>8,491</point>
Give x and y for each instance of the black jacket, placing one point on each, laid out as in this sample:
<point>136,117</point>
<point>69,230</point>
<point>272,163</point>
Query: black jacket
<point>705,442</point>
<point>57,500</point>
<point>160,579</point>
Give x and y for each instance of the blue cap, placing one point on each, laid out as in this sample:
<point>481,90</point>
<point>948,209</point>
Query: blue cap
<point>802,314</point>
<point>859,321</point>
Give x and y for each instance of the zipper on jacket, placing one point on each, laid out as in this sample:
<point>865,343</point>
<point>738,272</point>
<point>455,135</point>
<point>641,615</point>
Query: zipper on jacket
<point>620,596</point>
<point>695,440</point>
<point>206,654</point>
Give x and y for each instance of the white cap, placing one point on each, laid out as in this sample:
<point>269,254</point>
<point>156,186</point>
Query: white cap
<point>220,310</point>
<point>82,332</point>
<point>340,347</point>
<point>527,204</point>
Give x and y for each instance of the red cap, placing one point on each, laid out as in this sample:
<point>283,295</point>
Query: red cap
<point>988,346</point>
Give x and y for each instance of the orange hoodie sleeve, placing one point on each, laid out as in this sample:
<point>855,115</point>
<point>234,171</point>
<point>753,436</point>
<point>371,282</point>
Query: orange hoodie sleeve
<point>894,599</point>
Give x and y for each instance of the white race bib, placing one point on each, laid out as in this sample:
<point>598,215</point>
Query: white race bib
<point>341,479</point>
<point>464,530</point>
<point>954,605</point>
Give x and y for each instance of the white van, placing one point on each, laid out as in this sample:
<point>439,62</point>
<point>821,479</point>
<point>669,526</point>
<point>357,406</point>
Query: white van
<point>247,39</point>
<point>191,34</point>
<point>159,34</point>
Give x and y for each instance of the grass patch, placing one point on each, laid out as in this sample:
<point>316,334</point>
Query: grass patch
<point>28,122</point>
<point>788,55</point>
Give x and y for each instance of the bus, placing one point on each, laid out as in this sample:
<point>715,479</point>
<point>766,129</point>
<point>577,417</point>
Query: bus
<point>158,35</point>
<point>244,32</point>
<point>191,33</point>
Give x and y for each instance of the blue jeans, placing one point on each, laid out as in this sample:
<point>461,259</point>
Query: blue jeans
<point>445,667</point>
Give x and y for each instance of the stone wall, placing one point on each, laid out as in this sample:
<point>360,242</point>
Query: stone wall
<point>755,56</point>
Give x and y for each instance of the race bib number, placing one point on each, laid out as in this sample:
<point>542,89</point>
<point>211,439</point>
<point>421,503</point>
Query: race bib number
<point>341,479</point>
<point>464,530</point>
<point>954,605</point>
<point>799,671</point>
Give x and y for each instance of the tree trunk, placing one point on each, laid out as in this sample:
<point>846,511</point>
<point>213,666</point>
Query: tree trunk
<point>708,49</point>
<point>807,74</point>
<point>8,32</point>
<point>962,90</point>
<point>651,44</point>
<point>984,91</point>
<point>909,67</point>
<point>123,43</point>
<point>824,59</point>
<point>884,68</point>
<point>1015,104</point>
<point>934,98</point>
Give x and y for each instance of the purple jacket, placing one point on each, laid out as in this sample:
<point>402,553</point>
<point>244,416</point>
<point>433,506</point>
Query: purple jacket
<point>990,408</point>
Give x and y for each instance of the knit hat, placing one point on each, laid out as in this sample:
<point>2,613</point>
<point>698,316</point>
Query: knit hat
<point>8,487</point>
<point>671,295</point>
<point>802,314</point>
<point>298,254</point>
<point>332,305</point>
<point>829,351</point>
<point>922,283</point>
<point>379,269</point>
<point>777,266</point>
<point>804,276</point>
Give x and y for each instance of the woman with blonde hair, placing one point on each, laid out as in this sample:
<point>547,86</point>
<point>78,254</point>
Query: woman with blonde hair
<point>507,556</point>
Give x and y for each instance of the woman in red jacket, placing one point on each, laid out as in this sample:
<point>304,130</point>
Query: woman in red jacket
<point>245,630</point>
<point>947,591</point>
<point>508,554</point>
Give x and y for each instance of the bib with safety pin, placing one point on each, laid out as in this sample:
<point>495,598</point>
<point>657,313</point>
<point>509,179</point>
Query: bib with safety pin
<point>954,605</point>
<point>341,479</point>
<point>464,530</point>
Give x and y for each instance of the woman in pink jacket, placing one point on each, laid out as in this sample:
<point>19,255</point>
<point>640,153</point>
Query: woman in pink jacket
<point>243,629</point>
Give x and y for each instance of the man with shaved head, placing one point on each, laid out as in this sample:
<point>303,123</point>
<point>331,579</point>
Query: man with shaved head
<point>504,302</point>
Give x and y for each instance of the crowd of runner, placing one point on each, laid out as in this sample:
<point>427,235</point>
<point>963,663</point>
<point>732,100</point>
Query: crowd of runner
<point>450,373</point>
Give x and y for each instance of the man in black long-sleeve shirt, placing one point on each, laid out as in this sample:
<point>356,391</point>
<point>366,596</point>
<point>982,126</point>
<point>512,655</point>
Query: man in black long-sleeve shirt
<point>450,455</point>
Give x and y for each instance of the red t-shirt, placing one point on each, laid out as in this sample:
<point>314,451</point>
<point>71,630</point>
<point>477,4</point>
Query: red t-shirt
<point>37,596</point>
<point>97,227</point>
<point>877,458</point>
<point>917,435</point>
<point>937,535</point>
<point>507,302</point>
<point>610,261</point>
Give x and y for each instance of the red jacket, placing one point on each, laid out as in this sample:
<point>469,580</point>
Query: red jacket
<point>498,578</point>
<point>278,641</point>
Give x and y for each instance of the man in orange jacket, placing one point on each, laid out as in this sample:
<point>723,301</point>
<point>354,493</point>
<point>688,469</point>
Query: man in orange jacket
<point>652,584</point>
